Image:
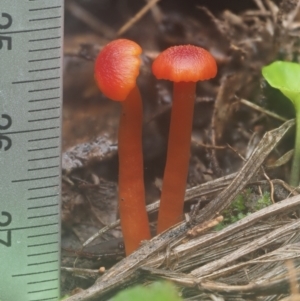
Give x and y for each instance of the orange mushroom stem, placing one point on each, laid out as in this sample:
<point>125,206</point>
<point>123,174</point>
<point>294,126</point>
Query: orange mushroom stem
<point>116,69</point>
<point>184,65</point>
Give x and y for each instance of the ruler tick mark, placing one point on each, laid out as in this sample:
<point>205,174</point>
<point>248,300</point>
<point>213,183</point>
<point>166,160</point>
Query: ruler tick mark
<point>42,187</point>
<point>41,139</point>
<point>36,273</point>
<point>39,254</point>
<point>39,207</point>
<point>29,227</point>
<point>44,8</point>
<point>45,244</point>
<point>42,197</point>
<point>39,263</point>
<point>42,281</point>
<point>43,158</point>
<point>44,109</point>
<point>44,59</point>
<point>43,99</point>
<point>44,49</point>
<point>44,39</point>
<point>46,89</point>
<point>42,168</point>
<point>45,290</point>
<point>44,119</point>
<point>43,19</point>
<point>35,80</point>
<point>34,179</point>
<point>33,130</point>
<point>45,69</point>
<point>41,216</point>
<point>31,30</point>
<point>47,299</point>
<point>45,234</point>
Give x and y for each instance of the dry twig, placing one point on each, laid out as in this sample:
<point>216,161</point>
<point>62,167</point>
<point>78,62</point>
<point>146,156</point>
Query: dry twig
<point>124,271</point>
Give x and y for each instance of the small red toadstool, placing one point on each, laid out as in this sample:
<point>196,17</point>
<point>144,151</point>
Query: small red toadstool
<point>116,69</point>
<point>184,65</point>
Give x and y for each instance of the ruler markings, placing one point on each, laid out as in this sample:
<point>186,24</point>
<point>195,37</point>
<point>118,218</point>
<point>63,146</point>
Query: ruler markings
<point>44,19</point>
<point>42,281</point>
<point>45,69</point>
<point>45,206</point>
<point>41,216</point>
<point>32,130</point>
<point>43,262</point>
<point>44,49</point>
<point>43,99</point>
<point>43,158</point>
<point>47,289</point>
<point>44,234</point>
<point>42,149</point>
<point>43,197</point>
<point>45,89</point>
<point>44,59</point>
<point>41,168</point>
<point>44,119</point>
<point>44,39</point>
<point>35,80</point>
<point>44,253</point>
<point>44,8</point>
<point>41,139</point>
<point>47,299</point>
<point>29,227</point>
<point>42,187</point>
<point>36,273</point>
<point>29,30</point>
<point>34,179</point>
<point>44,244</point>
<point>44,109</point>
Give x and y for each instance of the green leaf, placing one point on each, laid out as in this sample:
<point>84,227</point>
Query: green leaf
<point>158,291</point>
<point>284,76</point>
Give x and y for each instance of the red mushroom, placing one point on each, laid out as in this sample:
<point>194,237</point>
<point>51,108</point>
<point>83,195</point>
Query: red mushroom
<point>184,65</point>
<point>116,69</point>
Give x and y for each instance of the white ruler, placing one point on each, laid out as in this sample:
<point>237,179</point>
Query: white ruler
<point>31,35</point>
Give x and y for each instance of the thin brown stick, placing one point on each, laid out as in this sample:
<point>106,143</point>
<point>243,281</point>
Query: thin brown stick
<point>86,17</point>
<point>262,110</point>
<point>137,17</point>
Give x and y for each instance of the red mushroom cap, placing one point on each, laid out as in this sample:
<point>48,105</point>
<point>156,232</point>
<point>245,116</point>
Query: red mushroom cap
<point>117,67</point>
<point>185,63</point>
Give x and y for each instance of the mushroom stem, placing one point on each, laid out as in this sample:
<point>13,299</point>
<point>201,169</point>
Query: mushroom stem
<point>132,205</point>
<point>177,164</point>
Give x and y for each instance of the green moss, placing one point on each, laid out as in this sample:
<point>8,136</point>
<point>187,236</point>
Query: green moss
<point>240,208</point>
<point>263,202</point>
